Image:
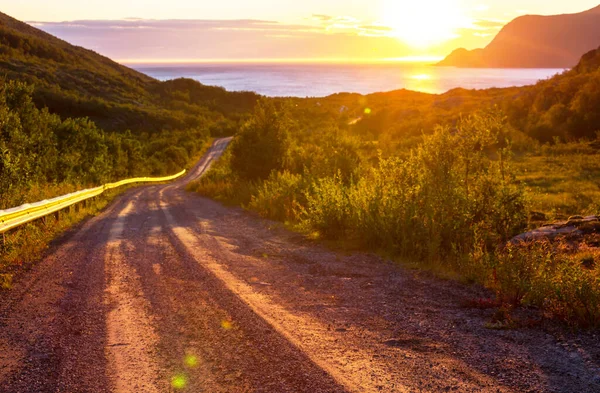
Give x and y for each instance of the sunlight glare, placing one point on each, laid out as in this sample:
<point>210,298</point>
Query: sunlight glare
<point>421,77</point>
<point>424,23</point>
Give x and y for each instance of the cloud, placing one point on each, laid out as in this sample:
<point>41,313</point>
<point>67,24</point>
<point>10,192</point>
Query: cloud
<point>375,30</point>
<point>322,36</point>
<point>322,18</point>
<point>169,24</point>
<point>488,24</point>
<point>133,38</point>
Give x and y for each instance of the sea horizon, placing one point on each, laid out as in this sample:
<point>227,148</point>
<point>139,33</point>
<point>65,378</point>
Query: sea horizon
<point>320,79</point>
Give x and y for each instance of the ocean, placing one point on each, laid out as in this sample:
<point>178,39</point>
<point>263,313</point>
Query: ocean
<point>318,80</point>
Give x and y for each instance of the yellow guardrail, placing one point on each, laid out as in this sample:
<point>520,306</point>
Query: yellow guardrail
<point>17,216</point>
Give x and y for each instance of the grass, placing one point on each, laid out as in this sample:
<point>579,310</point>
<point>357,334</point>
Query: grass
<point>562,180</point>
<point>561,280</point>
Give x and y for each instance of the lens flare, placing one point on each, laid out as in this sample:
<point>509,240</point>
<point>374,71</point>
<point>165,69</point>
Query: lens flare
<point>227,325</point>
<point>191,361</point>
<point>179,382</point>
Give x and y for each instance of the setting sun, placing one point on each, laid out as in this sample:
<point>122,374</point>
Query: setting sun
<point>424,23</point>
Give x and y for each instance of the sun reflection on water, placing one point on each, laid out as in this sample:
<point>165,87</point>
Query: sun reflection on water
<point>421,77</point>
<point>425,80</point>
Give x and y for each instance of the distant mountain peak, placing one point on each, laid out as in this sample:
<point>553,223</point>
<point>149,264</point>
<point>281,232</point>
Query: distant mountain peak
<point>536,41</point>
<point>596,9</point>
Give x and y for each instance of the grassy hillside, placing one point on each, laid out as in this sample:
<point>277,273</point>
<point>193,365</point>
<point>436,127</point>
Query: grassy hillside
<point>70,119</point>
<point>564,107</point>
<point>75,82</point>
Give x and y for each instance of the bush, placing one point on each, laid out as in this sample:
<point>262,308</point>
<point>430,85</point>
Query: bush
<point>429,205</point>
<point>263,144</point>
<point>222,184</point>
<point>329,208</point>
<point>281,197</point>
<point>545,275</point>
<point>41,151</point>
<point>517,271</point>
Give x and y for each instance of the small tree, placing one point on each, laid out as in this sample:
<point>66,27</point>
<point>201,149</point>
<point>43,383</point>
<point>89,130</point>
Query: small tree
<point>263,144</point>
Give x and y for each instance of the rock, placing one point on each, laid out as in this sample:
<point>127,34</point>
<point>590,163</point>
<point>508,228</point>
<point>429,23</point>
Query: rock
<point>577,226</point>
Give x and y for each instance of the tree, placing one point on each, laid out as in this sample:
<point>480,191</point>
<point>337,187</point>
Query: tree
<point>263,144</point>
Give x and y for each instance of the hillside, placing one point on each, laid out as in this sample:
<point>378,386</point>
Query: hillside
<point>534,41</point>
<point>75,82</point>
<point>565,106</point>
<point>71,118</point>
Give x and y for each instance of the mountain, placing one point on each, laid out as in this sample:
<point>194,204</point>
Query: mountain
<point>534,41</point>
<point>75,82</point>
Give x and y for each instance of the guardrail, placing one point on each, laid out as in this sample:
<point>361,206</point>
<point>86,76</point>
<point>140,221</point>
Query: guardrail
<point>17,216</point>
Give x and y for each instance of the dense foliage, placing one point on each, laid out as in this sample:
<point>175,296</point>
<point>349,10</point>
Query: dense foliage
<point>40,150</point>
<point>565,106</point>
<point>263,143</point>
<point>453,191</point>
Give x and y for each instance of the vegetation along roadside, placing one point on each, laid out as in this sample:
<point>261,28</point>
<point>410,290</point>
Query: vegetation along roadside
<point>453,196</point>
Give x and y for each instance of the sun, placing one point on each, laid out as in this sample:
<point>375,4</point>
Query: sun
<point>423,23</point>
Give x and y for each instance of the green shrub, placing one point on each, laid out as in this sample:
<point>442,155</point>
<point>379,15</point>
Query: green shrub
<point>263,143</point>
<point>428,205</point>
<point>519,269</point>
<point>329,209</point>
<point>545,275</point>
<point>222,184</point>
<point>281,197</point>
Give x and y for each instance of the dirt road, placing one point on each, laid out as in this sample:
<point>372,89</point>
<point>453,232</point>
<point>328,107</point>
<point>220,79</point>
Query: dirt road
<point>167,291</point>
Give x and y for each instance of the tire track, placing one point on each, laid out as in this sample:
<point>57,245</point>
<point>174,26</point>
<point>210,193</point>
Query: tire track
<point>131,340</point>
<point>308,336</point>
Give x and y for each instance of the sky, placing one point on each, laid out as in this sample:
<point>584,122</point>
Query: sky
<point>137,31</point>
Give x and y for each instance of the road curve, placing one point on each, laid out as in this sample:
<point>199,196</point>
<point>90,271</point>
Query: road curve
<point>167,291</point>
